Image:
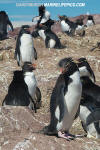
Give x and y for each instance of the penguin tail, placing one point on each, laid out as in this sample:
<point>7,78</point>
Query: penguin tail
<point>93,117</point>
<point>46,131</point>
<point>62,47</point>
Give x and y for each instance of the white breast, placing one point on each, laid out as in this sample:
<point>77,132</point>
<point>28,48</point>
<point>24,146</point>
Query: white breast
<point>79,27</point>
<point>84,113</point>
<point>42,34</point>
<point>45,17</point>
<point>27,48</point>
<point>31,82</point>
<point>72,100</point>
<point>89,23</point>
<point>52,43</point>
<point>65,26</point>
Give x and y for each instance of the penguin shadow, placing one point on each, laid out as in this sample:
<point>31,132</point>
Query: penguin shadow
<point>96,47</point>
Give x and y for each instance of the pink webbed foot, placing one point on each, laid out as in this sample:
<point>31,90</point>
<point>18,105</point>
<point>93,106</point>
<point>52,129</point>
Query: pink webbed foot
<point>66,136</point>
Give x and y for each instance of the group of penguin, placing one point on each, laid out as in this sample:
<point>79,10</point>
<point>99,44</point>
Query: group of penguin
<point>75,92</point>
<point>44,27</point>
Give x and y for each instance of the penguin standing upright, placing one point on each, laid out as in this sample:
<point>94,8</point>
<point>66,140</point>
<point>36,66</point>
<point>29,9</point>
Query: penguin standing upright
<point>67,26</point>
<point>50,38</point>
<point>65,101</point>
<point>21,91</point>
<point>4,22</point>
<point>25,51</point>
<point>43,17</point>
<point>90,103</point>
<point>90,21</point>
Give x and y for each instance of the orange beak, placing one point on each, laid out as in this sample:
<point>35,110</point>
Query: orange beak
<point>34,66</point>
<point>61,70</point>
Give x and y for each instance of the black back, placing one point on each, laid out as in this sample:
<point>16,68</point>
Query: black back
<point>60,89</point>
<point>51,35</point>
<point>18,94</point>
<point>4,21</point>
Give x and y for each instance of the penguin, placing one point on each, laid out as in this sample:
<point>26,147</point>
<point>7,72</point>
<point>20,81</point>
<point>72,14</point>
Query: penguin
<point>50,38</point>
<point>67,26</point>
<point>25,51</point>
<point>20,92</point>
<point>90,118</point>
<point>64,102</point>
<point>39,31</point>
<point>90,21</point>
<point>43,17</point>
<point>80,27</point>
<point>89,108</point>
<point>29,78</point>
<point>90,102</point>
<point>85,69</point>
<point>4,22</point>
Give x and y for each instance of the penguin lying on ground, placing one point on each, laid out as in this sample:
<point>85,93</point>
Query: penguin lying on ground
<point>50,38</point>
<point>25,51</point>
<point>4,21</point>
<point>64,102</point>
<point>21,91</point>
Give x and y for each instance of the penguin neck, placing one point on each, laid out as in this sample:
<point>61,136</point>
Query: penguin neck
<point>72,68</point>
<point>29,74</point>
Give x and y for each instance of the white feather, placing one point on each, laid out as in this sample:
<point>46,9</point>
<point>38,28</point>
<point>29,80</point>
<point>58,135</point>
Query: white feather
<point>65,26</point>
<point>31,82</point>
<point>71,100</point>
<point>84,113</point>
<point>52,43</point>
<point>27,48</point>
<point>79,27</point>
<point>89,23</point>
<point>46,17</point>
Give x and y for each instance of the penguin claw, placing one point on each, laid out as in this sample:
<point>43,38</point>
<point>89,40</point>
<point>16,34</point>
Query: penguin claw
<point>66,136</point>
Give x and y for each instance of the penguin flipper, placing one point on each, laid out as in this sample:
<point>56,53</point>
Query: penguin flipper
<point>35,54</point>
<point>93,117</point>
<point>61,102</point>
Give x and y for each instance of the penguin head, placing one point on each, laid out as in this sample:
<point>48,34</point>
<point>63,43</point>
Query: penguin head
<point>28,67</point>
<point>85,69</point>
<point>67,66</point>
<point>41,10</point>
<point>63,17</point>
<point>24,29</point>
<point>90,17</point>
<point>79,21</point>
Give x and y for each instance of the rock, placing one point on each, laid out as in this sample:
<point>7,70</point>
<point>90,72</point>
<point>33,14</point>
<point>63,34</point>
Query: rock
<point>19,126</point>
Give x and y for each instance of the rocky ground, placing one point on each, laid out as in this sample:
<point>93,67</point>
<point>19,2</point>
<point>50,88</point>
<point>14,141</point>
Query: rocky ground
<point>18,125</point>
